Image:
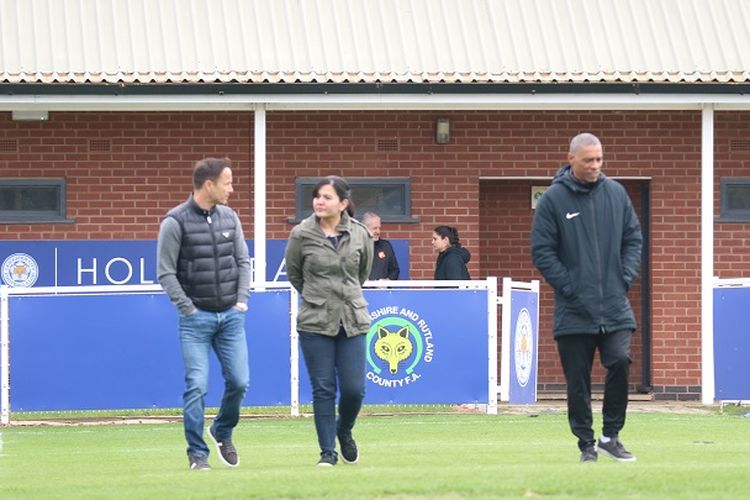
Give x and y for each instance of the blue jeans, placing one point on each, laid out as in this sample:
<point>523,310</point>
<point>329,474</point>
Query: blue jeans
<point>225,333</point>
<point>328,359</point>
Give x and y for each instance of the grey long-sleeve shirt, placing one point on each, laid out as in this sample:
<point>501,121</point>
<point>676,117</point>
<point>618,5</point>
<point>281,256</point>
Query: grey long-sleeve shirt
<point>168,252</point>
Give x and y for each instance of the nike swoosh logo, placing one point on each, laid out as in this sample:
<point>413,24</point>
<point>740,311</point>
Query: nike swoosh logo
<point>570,216</point>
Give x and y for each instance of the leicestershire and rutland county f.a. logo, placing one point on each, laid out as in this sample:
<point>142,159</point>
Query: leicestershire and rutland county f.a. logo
<point>19,270</point>
<point>523,351</point>
<point>398,342</point>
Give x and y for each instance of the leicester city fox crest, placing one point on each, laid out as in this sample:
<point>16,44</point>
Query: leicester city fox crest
<point>398,343</point>
<point>393,347</point>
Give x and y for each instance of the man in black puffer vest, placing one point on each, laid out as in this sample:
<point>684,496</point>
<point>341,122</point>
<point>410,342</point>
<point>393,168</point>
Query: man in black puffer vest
<point>204,267</point>
<point>586,241</point>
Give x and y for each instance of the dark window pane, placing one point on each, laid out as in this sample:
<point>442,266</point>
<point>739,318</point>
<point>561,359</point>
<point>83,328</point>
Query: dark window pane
<point>7,199</point>
<point>386,200</point>
<point>29,198</point>
<point>739,197</point>
<point>32,200</point>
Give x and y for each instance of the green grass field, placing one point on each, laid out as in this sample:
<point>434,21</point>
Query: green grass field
<point>402,456</point>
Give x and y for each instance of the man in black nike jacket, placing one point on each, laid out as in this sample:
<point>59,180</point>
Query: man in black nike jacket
<point>586,241</point>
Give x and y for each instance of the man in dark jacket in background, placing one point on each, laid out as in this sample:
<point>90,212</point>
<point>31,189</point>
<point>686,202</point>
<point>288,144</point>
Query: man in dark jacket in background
<point>204,267</point>
<point>384,263</point>
<point>586,241</point>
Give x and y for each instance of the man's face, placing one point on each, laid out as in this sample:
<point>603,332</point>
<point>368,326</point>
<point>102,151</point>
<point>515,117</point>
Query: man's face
<point>374,226</point>
<point>220,189</point>
<point>586,163</point>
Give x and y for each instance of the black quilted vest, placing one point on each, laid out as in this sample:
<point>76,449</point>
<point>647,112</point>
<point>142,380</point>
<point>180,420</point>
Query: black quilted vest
<point>206,268</point>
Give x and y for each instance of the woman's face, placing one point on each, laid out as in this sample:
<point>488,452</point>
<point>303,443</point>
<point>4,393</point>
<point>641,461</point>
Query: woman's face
<point>439,243</point>
<point>327,203</point>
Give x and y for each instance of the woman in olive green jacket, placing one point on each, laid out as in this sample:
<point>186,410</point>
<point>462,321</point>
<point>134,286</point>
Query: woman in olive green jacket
<point>328,258</point>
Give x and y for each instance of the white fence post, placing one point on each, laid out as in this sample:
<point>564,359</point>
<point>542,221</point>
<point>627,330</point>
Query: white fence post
<point>4,357</point>
<point>492,345</point>
<point>293,352</point>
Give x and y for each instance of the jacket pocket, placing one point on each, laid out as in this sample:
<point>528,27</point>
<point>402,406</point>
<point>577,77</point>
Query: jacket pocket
<point>312,313</point>
<point>361,316</point>
<point>313,298</point>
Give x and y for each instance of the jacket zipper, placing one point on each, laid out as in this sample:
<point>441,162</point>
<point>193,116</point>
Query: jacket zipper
<point>598,260</point>
<point>216,256</point>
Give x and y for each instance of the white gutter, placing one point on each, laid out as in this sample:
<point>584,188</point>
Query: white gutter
<point>321,101</point>
<point>707,255</point>
<point>259,213</point>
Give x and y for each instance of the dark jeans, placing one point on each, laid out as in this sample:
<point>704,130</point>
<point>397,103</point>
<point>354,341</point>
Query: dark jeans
<point>328,360</point>
<point>577,356</point>
<point>225,333</point>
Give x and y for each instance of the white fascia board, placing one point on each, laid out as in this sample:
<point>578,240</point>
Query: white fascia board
<point>246,102</point>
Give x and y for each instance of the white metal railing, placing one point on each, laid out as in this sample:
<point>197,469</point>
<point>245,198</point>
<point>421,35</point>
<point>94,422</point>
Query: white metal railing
<point>730,282</point>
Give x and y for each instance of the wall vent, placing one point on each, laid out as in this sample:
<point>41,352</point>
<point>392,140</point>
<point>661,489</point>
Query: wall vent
<point>8,146</point>
<point>387,145</point>
<point>740,145</point>
<point>100,145</point>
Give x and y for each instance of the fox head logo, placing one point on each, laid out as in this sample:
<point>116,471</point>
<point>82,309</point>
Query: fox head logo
<point>393,347</point>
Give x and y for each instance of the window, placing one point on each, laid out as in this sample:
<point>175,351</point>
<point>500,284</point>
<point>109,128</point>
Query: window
<point>735,199</point>
<point>389,198</point>
<point>32,200</point>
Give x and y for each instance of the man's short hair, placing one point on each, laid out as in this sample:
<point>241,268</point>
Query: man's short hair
<point>368,216</point>
<point>209,169</point>
<point>583,140</point>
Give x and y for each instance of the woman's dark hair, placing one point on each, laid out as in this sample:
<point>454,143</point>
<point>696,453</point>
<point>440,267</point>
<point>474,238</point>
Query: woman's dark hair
<point>209,169</point>
<point>448,232</point>
<point>342,190</point>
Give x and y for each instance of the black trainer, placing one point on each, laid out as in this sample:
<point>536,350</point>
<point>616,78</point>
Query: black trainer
<point>327,459</point>
<point>349,452</point>
<point>589,454</point>
<point>198,463</point>
<point>615,449</point>
<point>226,450</point>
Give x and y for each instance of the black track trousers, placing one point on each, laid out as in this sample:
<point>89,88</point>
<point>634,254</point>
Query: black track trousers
<point>577,356</point>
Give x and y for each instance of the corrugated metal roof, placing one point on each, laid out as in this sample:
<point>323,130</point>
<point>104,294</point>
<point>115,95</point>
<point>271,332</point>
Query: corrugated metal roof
<point>369,41</point>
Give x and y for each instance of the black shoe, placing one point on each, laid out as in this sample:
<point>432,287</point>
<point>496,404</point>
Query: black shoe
<point>226,450</point>
<point>615,449</point>
<point>327,459</point>
<point>198,463</point>
<point>349,452</point>
<point>589,454</point>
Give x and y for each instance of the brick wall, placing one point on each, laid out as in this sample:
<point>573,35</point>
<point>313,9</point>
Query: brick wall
<point>124,170</point>
<point>732,159</point>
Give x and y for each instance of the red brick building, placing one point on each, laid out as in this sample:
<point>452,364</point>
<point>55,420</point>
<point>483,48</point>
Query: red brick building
<point>124,142</point>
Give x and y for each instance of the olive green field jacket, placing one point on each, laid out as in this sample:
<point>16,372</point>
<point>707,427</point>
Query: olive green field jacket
<point>329,279</point>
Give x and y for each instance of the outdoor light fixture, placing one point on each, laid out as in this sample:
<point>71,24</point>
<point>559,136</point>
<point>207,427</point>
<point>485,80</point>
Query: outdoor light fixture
<point>442,131</point>
<point>30,115</point>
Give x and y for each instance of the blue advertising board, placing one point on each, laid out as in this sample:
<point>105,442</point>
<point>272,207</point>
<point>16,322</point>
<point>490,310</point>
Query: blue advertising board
<point>116,262</point>
<point>524,343</point>
<point>123,351</point>
<point>424,346</point>
<point>118,350</point>
<point>731,343</point>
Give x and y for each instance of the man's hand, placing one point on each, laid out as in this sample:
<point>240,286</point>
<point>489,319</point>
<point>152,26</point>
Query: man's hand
<point>241,306</point>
